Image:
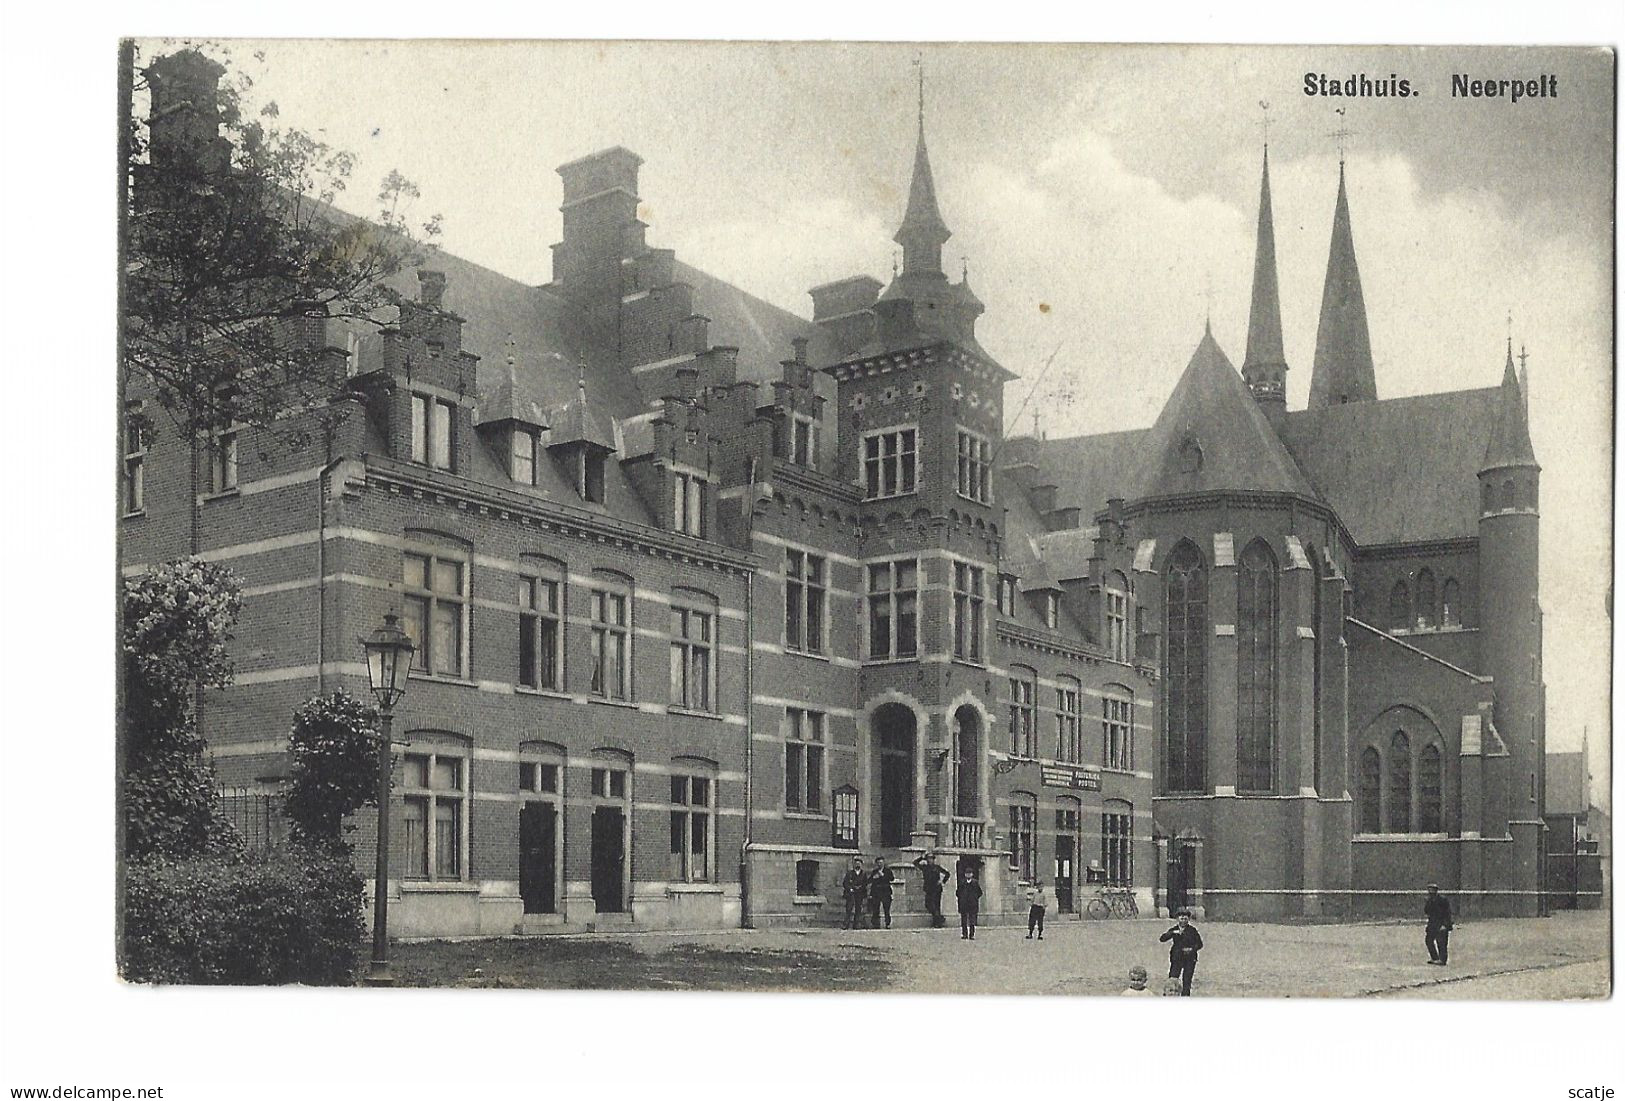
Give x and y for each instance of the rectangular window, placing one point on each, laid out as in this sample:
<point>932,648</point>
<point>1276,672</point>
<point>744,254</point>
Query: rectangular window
<point>1117,848</point>
<point>894,601</point>
<point>1023,822</point>
<point>1022,718</point>
<point>436,607</point>
<point>431,431</point>
<point>688,504</point>
<point>1117,624</point>
<point>420,428</point>
<point>436,808</point>
<point>135,459</point>
<point>440,436</point>
<point>1067,742</point>
<point>804,444</point>
<point>609,644</point>
<point>1117,742</point>
<point>975,467</point>
<point>890,462</point>
<point>691,828</point>
<point>805,591</point>
<point>591,483</point>
<point>968,601</point>
<point>522,457</point>
<point>540,633</point>
<point>691,664</point>
<point>538,777</point>
<point>803,761</point>
<point>609,783</point>
<point>223,461</point>
<point>1007,594</point>
<point>1052,610</point>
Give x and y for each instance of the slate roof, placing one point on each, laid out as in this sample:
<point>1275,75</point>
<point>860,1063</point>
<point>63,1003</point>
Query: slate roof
<point>1509,432</point>
<point>1264,344</point>
<point>1343,368</point>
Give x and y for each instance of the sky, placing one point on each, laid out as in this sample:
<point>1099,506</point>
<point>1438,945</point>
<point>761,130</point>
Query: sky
<point>1102,198</point>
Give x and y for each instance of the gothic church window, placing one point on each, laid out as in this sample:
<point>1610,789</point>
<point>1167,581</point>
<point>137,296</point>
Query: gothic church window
<point>1399,607</point>
<point>1255,669</point>
<point>1425,595</point>
<point>1370,790</point>
<point>1190,457</point>
<point>1450,609</point>
<point>1430,791</point>
<point>1399,783</point>
<point>1186,670</point>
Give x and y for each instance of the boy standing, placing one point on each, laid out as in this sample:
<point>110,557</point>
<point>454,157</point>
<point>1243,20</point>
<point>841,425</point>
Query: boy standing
<point>852,893</point>
<point>1187,942</point>
<point>1037,903</point>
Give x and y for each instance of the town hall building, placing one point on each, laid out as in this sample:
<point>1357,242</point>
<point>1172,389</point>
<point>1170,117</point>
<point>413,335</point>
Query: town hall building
<point>709,598</point>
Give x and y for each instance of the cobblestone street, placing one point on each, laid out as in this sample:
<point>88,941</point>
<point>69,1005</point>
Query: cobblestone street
<point>1564,956</point>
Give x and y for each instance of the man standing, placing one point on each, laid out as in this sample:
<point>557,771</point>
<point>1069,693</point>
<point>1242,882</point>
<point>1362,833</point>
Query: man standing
<point>970,900</point>
<point>852,893</point>
<point>1437,911</point>
<point>1037,903</point>
<point>1182,952</point>
<point>935,876</point>
<point>879,888</point>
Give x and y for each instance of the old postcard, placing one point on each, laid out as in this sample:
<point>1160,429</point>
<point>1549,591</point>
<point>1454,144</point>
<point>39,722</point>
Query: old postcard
<point>1035,519</point>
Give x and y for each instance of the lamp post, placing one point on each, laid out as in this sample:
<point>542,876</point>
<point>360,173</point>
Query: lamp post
<point>389,659</point>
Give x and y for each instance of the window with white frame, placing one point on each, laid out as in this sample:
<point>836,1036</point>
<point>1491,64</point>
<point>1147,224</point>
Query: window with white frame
<point>1117,733</point>
<point>805,440</point>
<point>805,590</point>
<point>890,462</point>
<point>1023,833</point>
<point>522,456</point>
<point>541,631</point>
<point>135,458</point>
<point>435,794</point>
<point>968,602</point>
<point>1007,594</point>
<point>352,352</point>
<point>688,503</point>
<point>1117,617</point>
<point>804,733</point>
<point>1050,605</point>
<point>1023,717</point>
<point>1117,843</point>
<point>894,609</point>
<point>693,669</point>
<point>611,633</point>
<point>975,467</point>
<point>692,798</point>
<point>1068,743</point>
<point>435,601</point>
<point>223,457</point>
<point>432,431</point>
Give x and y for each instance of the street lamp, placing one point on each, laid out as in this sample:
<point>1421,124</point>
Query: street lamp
<point>389,659</point>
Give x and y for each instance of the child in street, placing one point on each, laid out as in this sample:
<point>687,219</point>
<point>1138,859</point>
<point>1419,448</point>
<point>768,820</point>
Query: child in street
<point>1137,984</point>
<point>1037,903</point>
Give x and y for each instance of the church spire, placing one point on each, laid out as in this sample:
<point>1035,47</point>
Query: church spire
<point>1509,443</point>
<point>923,231</point>
<point>1343,368</point>
<point>1265,366</point>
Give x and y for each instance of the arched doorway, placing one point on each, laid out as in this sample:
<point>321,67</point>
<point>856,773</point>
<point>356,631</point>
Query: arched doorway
<point>893,737</point>
<point>967,763</point>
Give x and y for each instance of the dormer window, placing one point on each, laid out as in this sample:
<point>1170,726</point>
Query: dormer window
<point>805,440</point>
<point>1190,457</point>
<point>431,431</point>
<point>590,478</point>
<point>688,504</point>
<point>522,456</point>
<point>1007,594</point>
<point>1051,607</point>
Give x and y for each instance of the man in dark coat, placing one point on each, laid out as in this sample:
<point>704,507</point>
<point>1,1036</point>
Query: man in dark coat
<point>852,888</point>
<point>1182,952</point>
<point>879,889</point>
<point>1437,911</point>
<point>969,894</point>
<point>935,876</point>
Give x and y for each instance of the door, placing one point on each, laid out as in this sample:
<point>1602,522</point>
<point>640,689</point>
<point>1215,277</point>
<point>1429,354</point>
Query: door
<point>538,859</point>
<point>1181,873</point>
<point>895,751</point>
<point>608,859</point>
<point>1064,845</point>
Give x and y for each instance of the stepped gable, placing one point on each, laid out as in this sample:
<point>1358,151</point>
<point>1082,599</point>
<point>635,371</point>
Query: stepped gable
<point>760,330</point>
<point>1404,470</point>
<point>1211,437</point>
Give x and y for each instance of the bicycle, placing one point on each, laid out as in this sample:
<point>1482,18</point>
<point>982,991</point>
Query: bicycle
<point>1113,902</point>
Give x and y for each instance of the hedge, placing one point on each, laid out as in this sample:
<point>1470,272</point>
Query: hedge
<point>289,915</point>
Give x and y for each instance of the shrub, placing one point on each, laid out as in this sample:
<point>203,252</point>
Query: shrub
<point>289,915</point>
<point>334,766</point>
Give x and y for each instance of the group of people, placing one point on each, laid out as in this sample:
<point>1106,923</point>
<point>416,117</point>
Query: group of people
<point>868,892</point>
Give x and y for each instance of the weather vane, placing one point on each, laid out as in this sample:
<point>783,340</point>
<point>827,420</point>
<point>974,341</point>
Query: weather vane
<point>1264,105</point>
<point>1342,134</point>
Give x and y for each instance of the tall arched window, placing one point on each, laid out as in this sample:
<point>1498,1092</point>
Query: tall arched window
<point>1430,791</point>
<point>1185,670</point>
<point>1509,494</point>
<point>1399,606</point>
<point>1488,493</point>
<point>1399,783</point>
<point>1255,669</point>
<point>1450,607</point>
<point>1426,593</point>
<point>1370,790</point>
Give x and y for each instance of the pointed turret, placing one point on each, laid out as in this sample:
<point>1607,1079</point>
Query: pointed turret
<point>1509,444</point>
<point>923,232</point>
<point>1343,368</point>
<point>1265,366</point>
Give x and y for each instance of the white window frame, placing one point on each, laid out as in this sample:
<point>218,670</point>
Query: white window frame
<point>688,503</point>
<point>606,597</point>
<point>969,612</point>
<point>806,437</point>
<point>1006,596</point>
<point>223,452</point>
<point>535,611</point>
<point>432,598</point>
<point>1116,607</point>
<point>1117,732</point>
<point>806,586</point>
<point>1068,721</point>
<point>135,459</point>
<point>522,452</point>
<point>1051,607</point>
<point>685,809</point>
<point>430,797</point>
<point>974,467</point>
<point>434,432</point>
<point>905,475</point>
<point>806,757</point>
<point>891,596</point>
<point>1023,705</point>
<point>694,628</point>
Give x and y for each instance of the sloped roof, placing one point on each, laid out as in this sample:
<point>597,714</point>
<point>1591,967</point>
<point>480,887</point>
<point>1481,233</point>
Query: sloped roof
<point>922,218</point>
<point>1089,470</point>
<point>1066,552</point>
<point>1212,408</point>
<point>760,330</point>
<point>1509,430</point>
<point>1404,470</point>
<point>1264,343</point>
<point>1343,366</point>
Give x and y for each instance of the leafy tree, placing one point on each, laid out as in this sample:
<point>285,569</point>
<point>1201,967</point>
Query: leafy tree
<point>177,621</point>
<point>334,770</point>
<point>235,255</point>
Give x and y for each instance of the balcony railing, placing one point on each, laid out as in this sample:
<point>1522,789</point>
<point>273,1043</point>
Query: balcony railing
<point>967,833</point>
